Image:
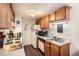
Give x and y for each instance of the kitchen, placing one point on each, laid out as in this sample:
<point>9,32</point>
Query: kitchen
<point>49,44</point>
<point>46,27</point>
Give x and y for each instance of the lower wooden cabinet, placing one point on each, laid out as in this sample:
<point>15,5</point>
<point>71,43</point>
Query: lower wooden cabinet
<point>51,49</point>
<point>60,50</point>
<point>65,50</point>
<point>54,50</point>
<point>47,48</point>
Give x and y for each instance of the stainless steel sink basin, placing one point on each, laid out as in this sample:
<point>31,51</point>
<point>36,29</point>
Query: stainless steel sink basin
<point>57,39</point>
<point>60,40</point>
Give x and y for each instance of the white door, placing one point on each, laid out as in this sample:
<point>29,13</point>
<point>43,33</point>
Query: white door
<point>26,31</point>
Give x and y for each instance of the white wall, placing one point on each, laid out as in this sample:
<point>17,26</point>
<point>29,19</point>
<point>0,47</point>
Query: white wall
<point>74,28</point>
<point>27,34</point>
<point>18,27</point>
<point>71,31</point>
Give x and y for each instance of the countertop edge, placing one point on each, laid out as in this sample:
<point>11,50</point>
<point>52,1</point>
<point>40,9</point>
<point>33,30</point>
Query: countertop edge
<point>54,42</point>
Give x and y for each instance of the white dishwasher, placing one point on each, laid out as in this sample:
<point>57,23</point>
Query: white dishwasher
<point>41,45</point>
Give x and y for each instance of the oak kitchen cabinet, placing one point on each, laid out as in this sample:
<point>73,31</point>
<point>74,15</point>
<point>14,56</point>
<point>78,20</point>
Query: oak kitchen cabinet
<point>47,48</point>
<point>55,50</point>
<point>5,16</point>
<point>60,50</point>
<point>63,13</point>
<point>52,17</point>
<point>44,23</point>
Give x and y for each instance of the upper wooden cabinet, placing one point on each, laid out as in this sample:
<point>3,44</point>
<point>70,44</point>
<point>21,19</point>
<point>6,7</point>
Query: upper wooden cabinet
<point>63,13</point>
<point>12,14</point>
<point>5,16</point>
<point>52,17</point>
<point>44,22</point>
<point>59,15</point>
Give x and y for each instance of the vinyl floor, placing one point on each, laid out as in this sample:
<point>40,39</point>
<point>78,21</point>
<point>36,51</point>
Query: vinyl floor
<point>30,51</point>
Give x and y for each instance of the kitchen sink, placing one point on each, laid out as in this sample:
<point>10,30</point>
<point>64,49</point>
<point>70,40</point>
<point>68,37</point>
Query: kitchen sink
<point>60,40</point>
<point>57,39</point>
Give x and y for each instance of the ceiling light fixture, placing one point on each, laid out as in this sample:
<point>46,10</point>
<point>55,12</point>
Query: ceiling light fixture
<point>33,13</point>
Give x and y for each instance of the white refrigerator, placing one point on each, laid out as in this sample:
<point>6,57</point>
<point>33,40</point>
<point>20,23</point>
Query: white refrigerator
<point>35,28</point>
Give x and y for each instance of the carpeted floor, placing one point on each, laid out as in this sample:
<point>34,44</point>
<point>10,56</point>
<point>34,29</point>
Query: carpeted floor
<point>30,51</point>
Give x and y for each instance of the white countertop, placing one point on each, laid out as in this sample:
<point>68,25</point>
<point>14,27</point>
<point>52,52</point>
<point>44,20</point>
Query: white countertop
<point>55,42</point>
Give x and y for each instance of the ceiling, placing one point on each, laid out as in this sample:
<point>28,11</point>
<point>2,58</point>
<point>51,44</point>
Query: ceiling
<point>41,9</point>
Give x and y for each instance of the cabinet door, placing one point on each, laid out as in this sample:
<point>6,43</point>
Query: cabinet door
<point>1,16</point>
<point>41,23</point>
<point>54,50</point>
<point>52,17</point>
<point>45,22</point>
<point>68,13</point>
<point>7,16</point>
<point>4,16</point>
<point>47,48</point>
<point>61,14</point>
<point>65,50</point>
